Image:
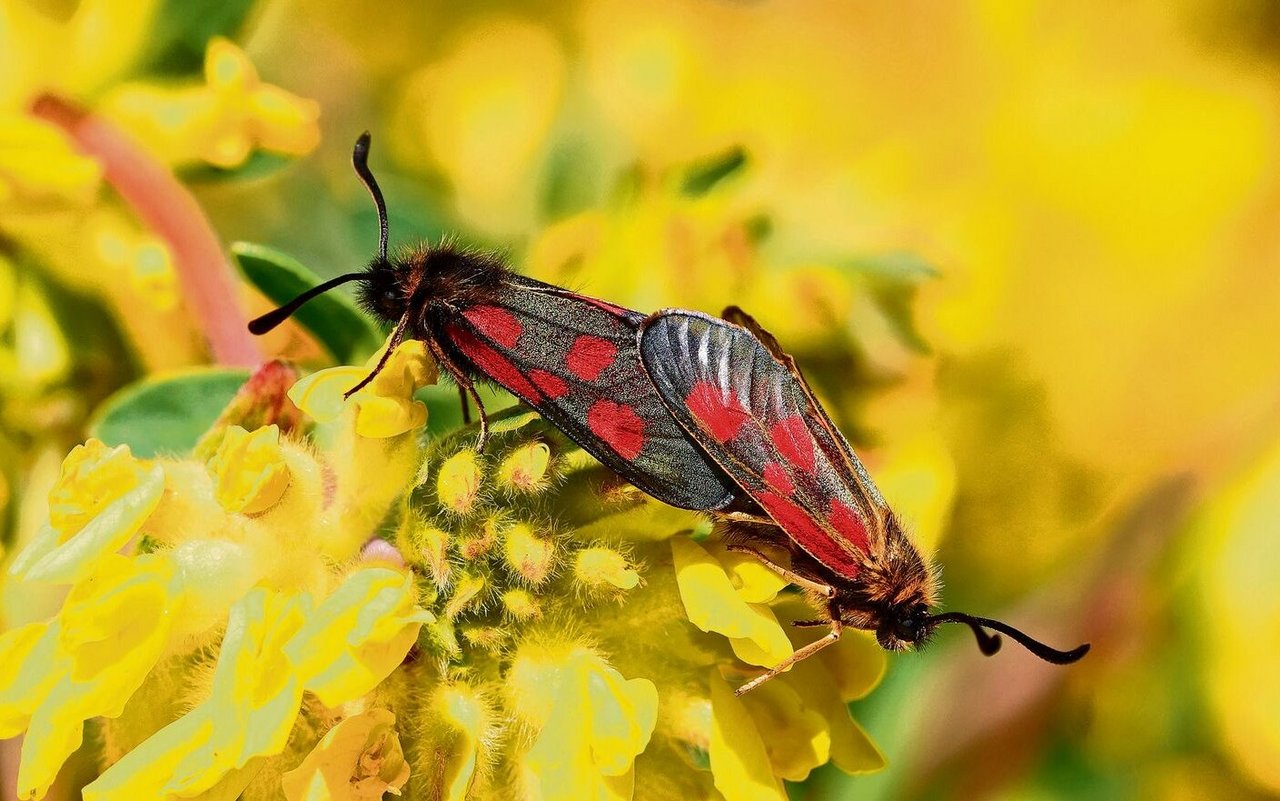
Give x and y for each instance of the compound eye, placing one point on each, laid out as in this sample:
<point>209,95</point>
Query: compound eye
<point>390,295</point>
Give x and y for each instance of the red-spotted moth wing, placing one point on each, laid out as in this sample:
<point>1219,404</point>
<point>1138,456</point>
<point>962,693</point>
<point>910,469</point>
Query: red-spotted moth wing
<point>755,416</point>
<point>574,359</point>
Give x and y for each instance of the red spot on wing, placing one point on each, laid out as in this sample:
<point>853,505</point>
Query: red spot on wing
<point>847,523</point>
<point>619,426</point>
<point>808,534</point>
<point>496,323</point>
<point>723,417</point>
<point>551,384</point>
<point>493,364</point>
<point>589,356</point>
<point>792,439</point>
<point>775,476</point>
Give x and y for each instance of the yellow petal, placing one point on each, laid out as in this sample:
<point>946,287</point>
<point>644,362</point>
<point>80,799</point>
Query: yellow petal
<point>29,667</point>
<point>358,635</point>
<point>321,394</point>
<point>739,761</point>
<point>713,604</point>
<point>249,469</point>
<point>796,736</point>
<point>359,759</point>
<point>101,500</point>
<point>852,750</point>
<point>254,701</point>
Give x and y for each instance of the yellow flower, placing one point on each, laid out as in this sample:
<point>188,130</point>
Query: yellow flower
<point>530,556</point>
<point>591,722</point>
<point>250,710</point>
<point>111,631</point>
<point>249,470</point>
<point>224,120</point>
<point>358,635</point>
<point>713,604</point>
<point>739,760</point>
<point>25,678</point>
<point>1237,563</point>
<point>40,167</point>
<point>142,258</point>
<point>385,407</point>
<point>102,498</point>
<point>359,759</point>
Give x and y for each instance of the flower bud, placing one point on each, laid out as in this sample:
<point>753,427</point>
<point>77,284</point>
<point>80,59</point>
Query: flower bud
<point>520,605</point>
<point>525,468</point>
<point>467,590</point>
<point>249,470</point>
<point>604,567</point>
<point>530,556</point>
<point>459,482</point>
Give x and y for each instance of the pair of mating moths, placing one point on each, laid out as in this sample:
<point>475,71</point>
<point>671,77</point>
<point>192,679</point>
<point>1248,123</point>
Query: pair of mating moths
<point>701,413</point>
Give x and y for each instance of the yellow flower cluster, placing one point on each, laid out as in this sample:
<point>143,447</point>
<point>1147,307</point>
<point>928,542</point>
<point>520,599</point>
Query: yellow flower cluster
<point>529,627</point>
<point>222,121</point>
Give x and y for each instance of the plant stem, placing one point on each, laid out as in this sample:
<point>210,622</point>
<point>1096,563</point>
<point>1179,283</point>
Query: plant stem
<point>208,284</point>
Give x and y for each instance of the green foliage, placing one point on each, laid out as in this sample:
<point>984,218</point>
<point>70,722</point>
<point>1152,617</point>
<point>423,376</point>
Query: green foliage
<point>166,415</point>
<point>333,318</point>
<point>706,175</point>
<point>183,28</point>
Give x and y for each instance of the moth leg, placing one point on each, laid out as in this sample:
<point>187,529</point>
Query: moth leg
<point>465,387</point>
<point>801,654</point>
<point>397,336</point>
<point>825,590</point>
<point>809,624</point>
<point>466,407</point>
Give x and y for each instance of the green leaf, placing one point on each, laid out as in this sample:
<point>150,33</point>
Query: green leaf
<point>166,414</point>
<point>182,29</point>
<point>334,319</point>
<point>703,176</point>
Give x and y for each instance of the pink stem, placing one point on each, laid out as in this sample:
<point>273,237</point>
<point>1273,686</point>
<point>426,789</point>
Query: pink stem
<point>165,205</point>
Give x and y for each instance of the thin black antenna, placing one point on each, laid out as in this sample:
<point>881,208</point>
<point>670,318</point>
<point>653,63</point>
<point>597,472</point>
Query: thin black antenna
<point>989,643</point>
<point>275,317</point>
<point>360,160</point>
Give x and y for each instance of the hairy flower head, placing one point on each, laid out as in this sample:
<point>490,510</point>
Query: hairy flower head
<point>350,615</point>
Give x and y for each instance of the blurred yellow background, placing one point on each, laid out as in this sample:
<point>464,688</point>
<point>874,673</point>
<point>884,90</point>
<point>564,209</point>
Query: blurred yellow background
<point>1028,253</point>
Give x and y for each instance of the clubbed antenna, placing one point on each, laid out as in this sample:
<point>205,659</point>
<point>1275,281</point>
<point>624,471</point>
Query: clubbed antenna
<point>275,317</point>
<point>990,643</point>
<point>360,160</point>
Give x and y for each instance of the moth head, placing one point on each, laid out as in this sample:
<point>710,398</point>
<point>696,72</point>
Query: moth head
<point>905,626</point>
<point>384,291</point>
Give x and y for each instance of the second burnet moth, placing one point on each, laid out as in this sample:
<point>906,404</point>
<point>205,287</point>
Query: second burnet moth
<point>746,404</point>
<point>571,357</point>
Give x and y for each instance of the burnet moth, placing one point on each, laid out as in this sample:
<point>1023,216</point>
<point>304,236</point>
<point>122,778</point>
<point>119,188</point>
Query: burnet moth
<point>744,401</point>
<point>572,358</point>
